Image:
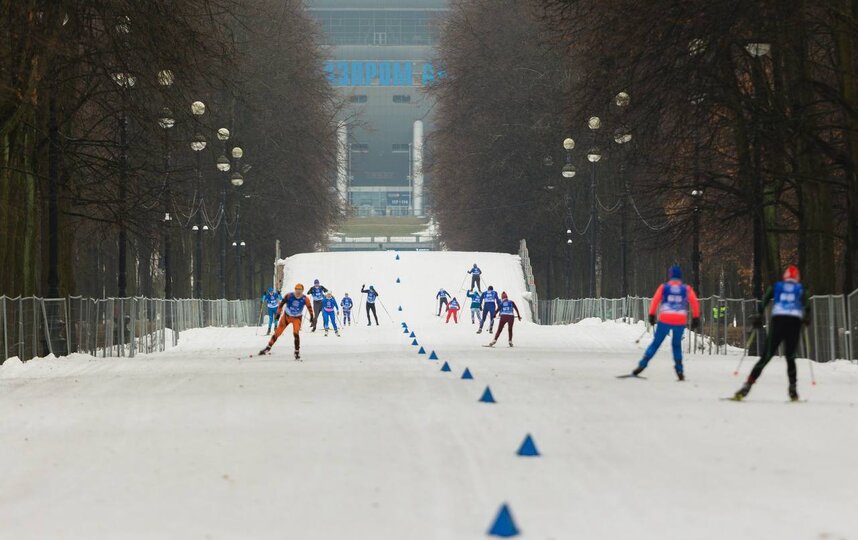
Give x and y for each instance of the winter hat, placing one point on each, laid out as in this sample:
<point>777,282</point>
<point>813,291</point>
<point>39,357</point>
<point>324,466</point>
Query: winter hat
<point>675,272</point>
<point>792,274</point>
<point>270,290</point>
<point>503,295</point>
<point>316,282</point>
<point>491,288</point>
<point>299,286</point>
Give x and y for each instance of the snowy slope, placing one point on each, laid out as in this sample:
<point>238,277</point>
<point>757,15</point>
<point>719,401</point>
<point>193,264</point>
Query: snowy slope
<point>421,275</point>
<point>366,439</point>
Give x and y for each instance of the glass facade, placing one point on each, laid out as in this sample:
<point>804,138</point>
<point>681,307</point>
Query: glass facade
<point>380,56</point>
<point>378,27</point>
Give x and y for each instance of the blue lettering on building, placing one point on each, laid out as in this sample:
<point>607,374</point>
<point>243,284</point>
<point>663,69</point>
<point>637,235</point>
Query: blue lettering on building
<point>378,73</point>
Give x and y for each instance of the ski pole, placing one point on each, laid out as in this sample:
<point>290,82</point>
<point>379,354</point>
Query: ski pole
<point>360,307</point>
<point>638,340</point>
<point>464,279</point>
<point>385,310</point>
<point>809,361</point>
<point>745,352</point>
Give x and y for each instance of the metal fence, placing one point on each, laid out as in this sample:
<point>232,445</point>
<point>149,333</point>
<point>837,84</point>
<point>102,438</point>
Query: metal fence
<point>34,327</point>
<point>529,282</point>
<point>726,322</point>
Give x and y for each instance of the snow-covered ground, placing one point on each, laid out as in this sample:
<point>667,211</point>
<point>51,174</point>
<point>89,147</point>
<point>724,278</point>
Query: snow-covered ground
<point>366,439</point>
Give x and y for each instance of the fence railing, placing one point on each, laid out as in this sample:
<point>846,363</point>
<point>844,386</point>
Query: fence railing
<point>34,327</point>
<point>529,282</point>
<point>725,322</point>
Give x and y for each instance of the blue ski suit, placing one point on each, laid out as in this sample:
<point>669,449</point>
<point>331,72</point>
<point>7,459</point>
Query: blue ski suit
<point>329,309</point>
<point>271,299</point>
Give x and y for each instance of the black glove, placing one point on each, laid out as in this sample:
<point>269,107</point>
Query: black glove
<point>695,323</point>
<point>652,320</point>
<point>519,317</point>
<point>277,315</point>
<point>756,321</point>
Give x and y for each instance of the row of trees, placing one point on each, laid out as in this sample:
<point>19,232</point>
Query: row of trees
<point>118,120</point>
<point>744,135</point>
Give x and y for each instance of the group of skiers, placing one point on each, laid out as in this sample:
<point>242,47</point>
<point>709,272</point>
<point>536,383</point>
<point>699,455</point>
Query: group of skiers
<point>673,300</point>
<point>318,300</point>
<point>668,313</point>
<point>484,305</point>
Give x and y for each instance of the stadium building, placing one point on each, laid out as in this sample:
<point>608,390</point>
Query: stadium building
<point>380,58</point>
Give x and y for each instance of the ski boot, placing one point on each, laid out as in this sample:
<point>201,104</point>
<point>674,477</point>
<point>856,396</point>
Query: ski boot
<point>265,351</point>
<point>479,330</point>
<point>680,376</point>
<point>742,393</point>
<point>510,344</point>
<point>326,332</point>
<point>268,333</point>
<point>793,393</point>
<point>297,355</point>
<point>637,371</point>
<point>492,344</point>
<point>337,332</point>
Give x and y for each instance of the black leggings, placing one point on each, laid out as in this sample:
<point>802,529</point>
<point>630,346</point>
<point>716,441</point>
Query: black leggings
<point>441,303</point>
<point>370,308</point>
<point>786,330</point>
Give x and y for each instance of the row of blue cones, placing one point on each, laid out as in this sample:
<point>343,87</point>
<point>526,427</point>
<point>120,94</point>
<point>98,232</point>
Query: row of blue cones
<point>503,525</point>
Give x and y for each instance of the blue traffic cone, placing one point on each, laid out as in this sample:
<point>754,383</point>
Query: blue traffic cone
<point>467,374</point>
<point>397,256</point>
<point>405,330</point>
<point>446,367</point>
<point>433,356</point>
<point>412,335</point>
<point>397,280</point>
<point>487,396</point>
<point>504,526</point>
<point>528,447</point>
<point>414,343</point>
<point>421,351</point>
<point>403,324</point>
<point>400,308</point>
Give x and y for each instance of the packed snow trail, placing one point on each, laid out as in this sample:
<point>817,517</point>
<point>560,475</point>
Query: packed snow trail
<point>366,439</point>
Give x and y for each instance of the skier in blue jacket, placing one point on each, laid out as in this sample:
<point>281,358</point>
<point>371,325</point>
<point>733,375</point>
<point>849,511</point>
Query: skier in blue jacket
<point>330,309</point>
<point>442,298</point>
<point>347,304</point>
<point>490,303</point>
<point>476,304</point>
<point>475,276</point>
<point>371,297</point>
<point>316,294</point>
<point>271,299</point>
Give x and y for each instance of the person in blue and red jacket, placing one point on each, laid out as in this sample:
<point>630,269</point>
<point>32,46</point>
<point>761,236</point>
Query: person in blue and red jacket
<point>791,309</point>
<point>271,299</point>
<point>453,310</point>
<point>669,309</point>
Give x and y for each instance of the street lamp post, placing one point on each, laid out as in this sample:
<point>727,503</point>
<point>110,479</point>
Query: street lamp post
<point>224,166</point>
<point>237,180</point>
<point>622,136</point>
<point>198,108</point>
<point>593,156</point>
<point>568,172</point>
<point>166,121</point>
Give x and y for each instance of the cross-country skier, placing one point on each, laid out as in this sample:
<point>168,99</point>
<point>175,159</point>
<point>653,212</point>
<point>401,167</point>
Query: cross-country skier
<point>317,293</point>
<point>271,299</point>
<point>371,297</point>
<point>507,307</point>
<point>475,276</point>
<point>475,306</point>
<point>294,305</point>
<point>453,311</point>
<point>789,311</point>
<point>442,298</point>
<point>669,307</point>
<point>490,304</point>
<point>347,304</point>
<point>330,309</point>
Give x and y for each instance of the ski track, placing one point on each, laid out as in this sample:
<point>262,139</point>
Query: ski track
<point>366,439</point>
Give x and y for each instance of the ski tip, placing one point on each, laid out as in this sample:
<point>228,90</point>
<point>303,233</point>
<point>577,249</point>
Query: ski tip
<point>731,398</point>
<point>631,376</point>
